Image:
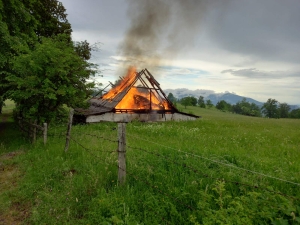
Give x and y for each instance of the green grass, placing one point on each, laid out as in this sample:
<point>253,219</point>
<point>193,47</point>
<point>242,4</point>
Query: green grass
<point>169,177</point>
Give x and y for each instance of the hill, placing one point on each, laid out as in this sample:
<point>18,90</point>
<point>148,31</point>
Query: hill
<point>231,98</point>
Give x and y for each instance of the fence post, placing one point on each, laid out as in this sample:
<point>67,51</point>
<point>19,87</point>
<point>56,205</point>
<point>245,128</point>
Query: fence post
<point>122,152</point>
<point>69,129</point>
<point>45,133</point>
<point>34,131</point>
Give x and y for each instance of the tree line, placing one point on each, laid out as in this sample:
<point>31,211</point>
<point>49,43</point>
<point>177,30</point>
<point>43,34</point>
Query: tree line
<point>271,108</point>
<point>41,68</point>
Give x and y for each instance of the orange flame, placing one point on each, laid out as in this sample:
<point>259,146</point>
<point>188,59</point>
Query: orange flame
<point>129,78</point>
<point>137,98</point>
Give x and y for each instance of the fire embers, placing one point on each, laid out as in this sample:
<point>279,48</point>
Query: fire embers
<point>144,103</point>
<point>141,102</point>
<point>138,98</point>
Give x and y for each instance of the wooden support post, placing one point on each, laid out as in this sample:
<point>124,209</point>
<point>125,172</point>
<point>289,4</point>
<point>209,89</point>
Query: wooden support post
<point>122,153</point>
<point>45,133</point>
<point>69,129</point>
<point>34,131</point>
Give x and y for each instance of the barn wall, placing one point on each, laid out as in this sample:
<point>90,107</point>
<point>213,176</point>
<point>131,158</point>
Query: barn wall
<point>123,117</point>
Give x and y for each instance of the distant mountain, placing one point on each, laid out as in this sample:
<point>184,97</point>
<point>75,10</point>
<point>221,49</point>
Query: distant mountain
<point>184,92</point>
<point>294,107</point>
<point>209,94</point>
<point>231,98</point>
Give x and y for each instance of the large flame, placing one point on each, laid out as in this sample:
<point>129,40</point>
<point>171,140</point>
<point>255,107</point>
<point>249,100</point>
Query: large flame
<point>128,79</point>
<point>138,97</point>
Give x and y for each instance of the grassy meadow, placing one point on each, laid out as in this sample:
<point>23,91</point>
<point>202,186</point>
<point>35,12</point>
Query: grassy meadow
<point>220,169</point>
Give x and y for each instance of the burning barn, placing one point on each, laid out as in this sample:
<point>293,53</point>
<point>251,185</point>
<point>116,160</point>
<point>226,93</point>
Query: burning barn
<point>137,96</point>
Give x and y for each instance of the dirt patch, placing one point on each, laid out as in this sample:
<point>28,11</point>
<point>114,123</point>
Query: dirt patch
<point>16,214</point>
<point>11,212</point>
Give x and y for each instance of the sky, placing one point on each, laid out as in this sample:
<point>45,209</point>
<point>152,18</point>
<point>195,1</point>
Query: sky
<point>250,48</point>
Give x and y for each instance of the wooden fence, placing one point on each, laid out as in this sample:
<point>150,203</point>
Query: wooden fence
<point>30,129</point>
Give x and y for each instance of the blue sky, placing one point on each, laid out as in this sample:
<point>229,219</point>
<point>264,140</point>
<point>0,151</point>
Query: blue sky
<point>247,47</point>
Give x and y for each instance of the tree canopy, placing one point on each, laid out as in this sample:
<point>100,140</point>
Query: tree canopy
<point>295,114</point>
<point>270,108</point>
<point>201,102</point>
<point>283,110</point>
<point>246,108</point>
<point>209,103</point>
<point>188,101</point>
<point>223,105</point>
<point>41,68</point>
<point>172,98</point>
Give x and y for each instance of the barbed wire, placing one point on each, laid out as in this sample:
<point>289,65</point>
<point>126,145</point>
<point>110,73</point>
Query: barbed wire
<point>63,133</point>
<point>92,135</point>
<point>212,177</point>
<point>104,138</point>
<point>89,149</point>
<point>90,152</point>
<point>218,162</point>
<point>137,178</point>
<point>101,128</point>
<point>193,169</point>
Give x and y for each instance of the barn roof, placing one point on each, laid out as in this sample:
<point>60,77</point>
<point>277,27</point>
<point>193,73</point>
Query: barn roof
<point>144,83</point>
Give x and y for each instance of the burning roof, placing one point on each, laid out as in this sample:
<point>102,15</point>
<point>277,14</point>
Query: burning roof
<point>136,96</point>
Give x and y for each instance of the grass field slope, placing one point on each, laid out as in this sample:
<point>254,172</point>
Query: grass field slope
<point>220,169</point>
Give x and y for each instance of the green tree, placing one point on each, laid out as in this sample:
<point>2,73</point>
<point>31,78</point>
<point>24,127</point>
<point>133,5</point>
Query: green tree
<point>190,100</point>
<point>16,35</point>
<point>223,105</point>
<point>283,110</point>
<point>50,16</point>
<point>209,103</point>
<point>270,108</point>
<point>193,100</point>
<point>48,77</point>
<point>40,67</point>
<point>186,101</point>
<point>171,98</point>
<point>201,102</point>
<point>255,110</point>
<point>295,113</point>
<point>22,26</point>
<point>246,108</point>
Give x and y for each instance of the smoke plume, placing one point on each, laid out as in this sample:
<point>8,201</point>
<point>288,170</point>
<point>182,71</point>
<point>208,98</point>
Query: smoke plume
<point>161,29</point>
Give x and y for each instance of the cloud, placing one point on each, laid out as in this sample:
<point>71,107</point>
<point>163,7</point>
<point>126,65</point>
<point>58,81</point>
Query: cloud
<point>261,30</point>
<point>181,71</point>
<point>259,74</point>
<point>102,16</point>
<point>183,92</point>
<point>249,47</point>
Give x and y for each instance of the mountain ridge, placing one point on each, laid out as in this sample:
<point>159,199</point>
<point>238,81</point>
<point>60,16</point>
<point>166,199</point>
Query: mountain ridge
<point>215,97</point>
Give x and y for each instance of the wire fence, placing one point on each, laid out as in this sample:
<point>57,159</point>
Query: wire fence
<point>170,160</point>
<point>215,161</point>
<point>205,175</point>
<point>137,178</point>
